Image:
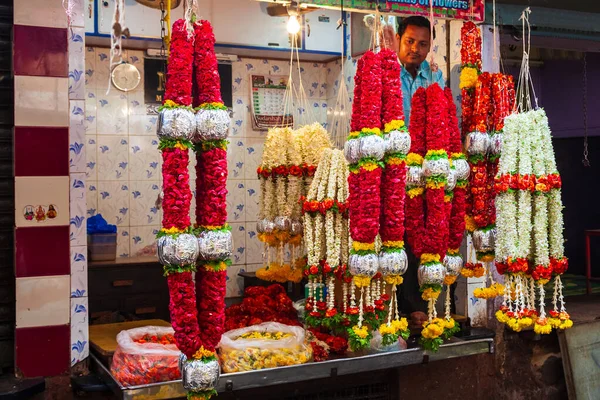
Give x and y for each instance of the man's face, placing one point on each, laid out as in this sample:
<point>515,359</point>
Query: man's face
<point>414,45</point>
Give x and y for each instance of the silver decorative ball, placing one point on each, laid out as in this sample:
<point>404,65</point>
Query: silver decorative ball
<point>365,265</point>
<point>496,143</point>
<point>461,168</point>
<point>198,375</point>
<point>432,274</point>
<point>477,143</point>
<point>438,167</point>
<point>283,223</point>
<point>297,228</point>
<point>372,146</point>
<point>215,245</point>
<point>484,240</point>
<point>393,263</point>
<point>177,250</point>
<point>397,142</point>
<point>453,264</point>
<point>176,123</point>
<point>451,180</point>
<point>212,125</point>
<point>414,176</point>
<point>352,151</point>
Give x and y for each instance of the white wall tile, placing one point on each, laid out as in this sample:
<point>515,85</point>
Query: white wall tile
<point>78,211</point>
<point>50,309</point>
<point>40,13</point>
<point>41,101</point>
<point>77,148</point>
<point>76,48</point>
<point>79,271</point>
<point>80,337</point>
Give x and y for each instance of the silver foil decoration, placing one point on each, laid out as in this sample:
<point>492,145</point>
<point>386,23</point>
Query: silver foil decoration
<point>283,223</point>
<point>212,125</point>
<point>477,143</point>
<point>438,167</point>
<point>372,146</point>
<point>180,250</point>
<point>176,123</point>
<point>451,181</point>
<point>215,245</point>
<point>397,142</point>
<point>198,375</point>
<point>365,265</point>
<point>352,151</point>
<point>484,240</point>
<point>461,168</point>
<point>432,274</point>
<point>496,144</point>
<point>414,176</point>
<point>297,228</point>
<point>392,262</point>
<point>182,360</point>
<point>453,264</point>
<point>265,226</point>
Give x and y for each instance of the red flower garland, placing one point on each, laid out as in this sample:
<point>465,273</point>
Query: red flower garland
<point>179,72</point>
<point>208,83</point>
<point>182,307</point>
<point>393,181</point>
<point>211,187</point>
<point>392,87</point>
<point>457,214</point>
<point>176,189</point>
<point>414,218</point>
<point>470,50</point>
<point>437,138</point>
<point>371,89</point>
<point>364,207</point>
<point>211,193</point>
<point>210,288</point>
<point>356,105</point>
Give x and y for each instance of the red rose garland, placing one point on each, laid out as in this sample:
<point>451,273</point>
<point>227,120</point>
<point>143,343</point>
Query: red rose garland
<point>197,318</point>
<point>414,218</point>
<point>364,149</point>
<point>177,194</point>
<point>456,216</point>
<point>211,191</point>
<point>176,187</point>
<point>470,54</point>
<point>355,120</point>
<point>179,72</point>
<point>392,258</point>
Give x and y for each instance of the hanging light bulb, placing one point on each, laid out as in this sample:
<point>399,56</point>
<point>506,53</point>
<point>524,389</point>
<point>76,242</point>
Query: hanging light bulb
<point>293,25</point>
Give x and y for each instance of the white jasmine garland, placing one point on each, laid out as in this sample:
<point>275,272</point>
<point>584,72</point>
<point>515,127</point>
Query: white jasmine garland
<point>555,218</point>
<point>510,144</point>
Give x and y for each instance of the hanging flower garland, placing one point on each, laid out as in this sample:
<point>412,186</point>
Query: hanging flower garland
<point>197,319</point>
<point>470,55</point>
<point>393,261</point>
<point>529,190</point>
<point>364,151</point>
<point>456,192</point>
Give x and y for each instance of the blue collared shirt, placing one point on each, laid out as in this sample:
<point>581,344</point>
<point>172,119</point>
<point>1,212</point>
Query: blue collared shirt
<point>424,78</point>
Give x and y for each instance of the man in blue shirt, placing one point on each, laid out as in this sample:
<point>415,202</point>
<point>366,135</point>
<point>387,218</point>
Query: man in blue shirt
<point>414,42</point>
<point>414,38</point>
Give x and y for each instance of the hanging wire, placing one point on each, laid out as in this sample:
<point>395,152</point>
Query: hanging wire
<point>585,161</point>
<point>525,88</point>
<point>340,120</point>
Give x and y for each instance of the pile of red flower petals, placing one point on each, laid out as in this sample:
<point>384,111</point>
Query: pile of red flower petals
<point>262,304</point>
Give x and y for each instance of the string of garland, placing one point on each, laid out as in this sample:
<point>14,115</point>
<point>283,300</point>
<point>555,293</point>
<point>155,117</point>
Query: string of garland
<point>197,313</point>
<point>364,151</point>
<point>393,261</point>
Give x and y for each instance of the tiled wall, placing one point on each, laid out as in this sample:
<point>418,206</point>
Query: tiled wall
<point>123,165</point>
<point>46,67</point>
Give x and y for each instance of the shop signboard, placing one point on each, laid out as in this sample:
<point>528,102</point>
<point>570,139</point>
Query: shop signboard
<point>448,9</point>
